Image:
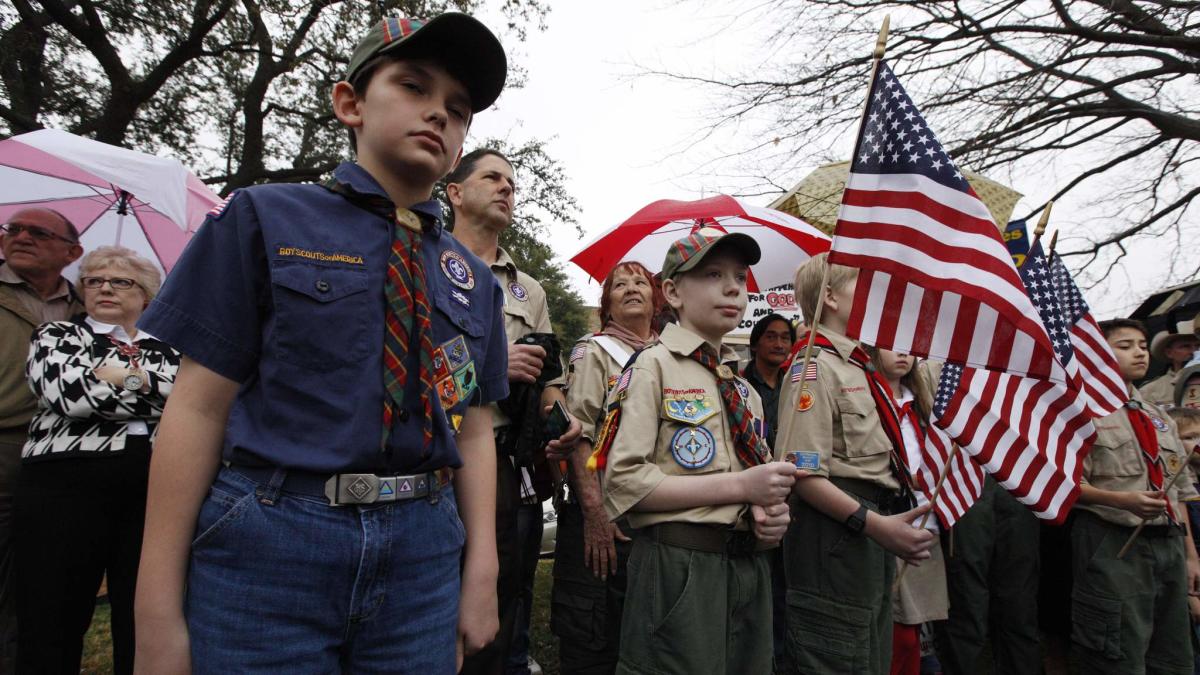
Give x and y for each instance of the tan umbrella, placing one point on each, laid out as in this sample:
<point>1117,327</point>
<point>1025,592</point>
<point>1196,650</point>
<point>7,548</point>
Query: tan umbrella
<point>816,198</point>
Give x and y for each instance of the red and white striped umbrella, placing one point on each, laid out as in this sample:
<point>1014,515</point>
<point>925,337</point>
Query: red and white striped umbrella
<point>786,241</point>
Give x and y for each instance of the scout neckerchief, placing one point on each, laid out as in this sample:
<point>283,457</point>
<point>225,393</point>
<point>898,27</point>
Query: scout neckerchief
<point>746,441</point>
<point>407,319</point>
<point>889,418</point>
<point>1147,438</point>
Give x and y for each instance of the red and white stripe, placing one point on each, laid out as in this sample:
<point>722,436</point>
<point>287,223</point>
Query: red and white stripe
<point>1095,369</point>
<point>962,486</point>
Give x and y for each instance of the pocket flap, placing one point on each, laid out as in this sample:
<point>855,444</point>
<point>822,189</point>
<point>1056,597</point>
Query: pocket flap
<point>321,283</point>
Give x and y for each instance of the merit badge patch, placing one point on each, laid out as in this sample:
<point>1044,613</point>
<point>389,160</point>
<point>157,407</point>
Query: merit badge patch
<point>689,409</point>
<point>578,352</point>
<point>448,393</point>
<point>518,291</point>
<point>805,401</point>
<point>219,210</point>
<point>693,447</point>
<point>440,368</point>
<point>809,374</point>
<point>1159,423</point>
<point>456,269</point>
<point>804,460</point>
<point>460,297</point>
<point>742,389</point>
<point>456,352</point>
<point>465,380</point>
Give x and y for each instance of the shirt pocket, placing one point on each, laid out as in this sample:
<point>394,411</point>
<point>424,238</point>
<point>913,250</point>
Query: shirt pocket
<point>692,442</point>
<point>520,313</point>
<point>1121,460</point>
<point>862,434</point>
<point>321,314</point>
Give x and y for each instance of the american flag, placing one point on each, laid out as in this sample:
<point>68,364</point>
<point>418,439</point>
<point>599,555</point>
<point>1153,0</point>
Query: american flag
<point>936,279</point>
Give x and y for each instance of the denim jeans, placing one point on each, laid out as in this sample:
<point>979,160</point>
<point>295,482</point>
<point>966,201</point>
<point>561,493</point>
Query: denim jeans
<point>281,582</point>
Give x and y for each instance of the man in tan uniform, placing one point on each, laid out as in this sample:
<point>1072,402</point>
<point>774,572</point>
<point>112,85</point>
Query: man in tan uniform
<point>838,552</point>
<point>481,193</point>
<point>37,245</point>
<point>1176,349</point>
<point>1130,614</point>
<point>684,460</point>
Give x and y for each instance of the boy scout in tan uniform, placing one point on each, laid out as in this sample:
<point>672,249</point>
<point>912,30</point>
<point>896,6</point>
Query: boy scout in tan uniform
<point>699,590</point>
<point>1130,615</point>
<point>839,562</point>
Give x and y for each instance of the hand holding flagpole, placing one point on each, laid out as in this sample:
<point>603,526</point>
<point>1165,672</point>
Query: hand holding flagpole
<point>1133,537</point>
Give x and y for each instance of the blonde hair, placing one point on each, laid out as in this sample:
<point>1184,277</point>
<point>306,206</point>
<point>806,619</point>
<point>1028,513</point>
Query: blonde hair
<point>808,282</point>
<point>140,269</point>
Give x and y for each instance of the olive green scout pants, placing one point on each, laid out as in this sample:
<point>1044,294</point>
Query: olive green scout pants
<point>1129,616</point>
<point>693,612</point>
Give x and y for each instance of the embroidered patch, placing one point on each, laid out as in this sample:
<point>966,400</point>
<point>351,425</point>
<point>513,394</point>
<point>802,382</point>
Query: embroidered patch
<point>448,393</point>
<point>465,380</point>
<point>612,380</point>
<point>460,297</point>
<point>760,427</point>
<point>693,447</point>
<point>578,352</point>
<point>1159,423</point>
<point>456,269</point>
<point>805,401</point>
<point>219,210</point>
<point>456,421</point>
<point>456,352</point>
<point>322,256</point>
<point>518,291</point>
<point>623,384</point>
<point>689,410</point>
<point>809,374</point>
<point>440,368</point>
<point>1174,463</point>
<point>804,460</point>
<point>742,389</point>
<point>853,390</point>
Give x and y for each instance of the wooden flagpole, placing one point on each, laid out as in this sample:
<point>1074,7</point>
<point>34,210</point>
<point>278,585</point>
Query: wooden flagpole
<point>937,490</point>
<point>1041,226</point>
<point>1133,537</point>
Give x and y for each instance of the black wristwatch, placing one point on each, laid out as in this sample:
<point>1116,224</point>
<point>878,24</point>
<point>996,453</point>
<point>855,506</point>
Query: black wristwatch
<point>856,521</point>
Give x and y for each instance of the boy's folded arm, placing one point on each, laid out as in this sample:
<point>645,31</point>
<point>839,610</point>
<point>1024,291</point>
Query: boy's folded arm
<point>675,493</point>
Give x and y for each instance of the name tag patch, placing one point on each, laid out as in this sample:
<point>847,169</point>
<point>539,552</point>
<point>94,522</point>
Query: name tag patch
<point>693,447</point>
<point>810,461</point>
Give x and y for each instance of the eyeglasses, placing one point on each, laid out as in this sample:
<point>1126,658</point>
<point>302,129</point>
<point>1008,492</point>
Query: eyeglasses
<point>118,283</point>
<point>38,233</point>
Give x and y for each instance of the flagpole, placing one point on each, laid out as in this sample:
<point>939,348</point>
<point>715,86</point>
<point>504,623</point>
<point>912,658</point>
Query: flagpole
<point>937,490</point>
<point>1041,226</point>
<point>876,55</point>
<point>1133,537</point>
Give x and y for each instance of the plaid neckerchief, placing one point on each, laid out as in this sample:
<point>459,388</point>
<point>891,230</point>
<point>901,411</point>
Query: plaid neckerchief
<point>746,441</point>
<point>407,321</point>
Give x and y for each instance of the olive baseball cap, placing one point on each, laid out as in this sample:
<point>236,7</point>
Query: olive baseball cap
<point>686,253</point>
<point>458,41</point>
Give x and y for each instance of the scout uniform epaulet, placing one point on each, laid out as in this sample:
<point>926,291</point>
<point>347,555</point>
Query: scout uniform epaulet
<point>612,418</point>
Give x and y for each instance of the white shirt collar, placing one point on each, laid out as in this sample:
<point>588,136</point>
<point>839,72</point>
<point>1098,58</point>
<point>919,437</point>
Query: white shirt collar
<point>118,332</point>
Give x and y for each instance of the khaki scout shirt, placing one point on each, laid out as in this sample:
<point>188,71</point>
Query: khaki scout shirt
<point>591,373</point>
<point>841,426</point>
<point>525,312</point>
<point>1116,463</point>
<point>1161,390</point>
<point>669,399</point>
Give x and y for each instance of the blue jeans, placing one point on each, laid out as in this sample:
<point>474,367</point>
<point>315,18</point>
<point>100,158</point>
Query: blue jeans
<point>281,582</point>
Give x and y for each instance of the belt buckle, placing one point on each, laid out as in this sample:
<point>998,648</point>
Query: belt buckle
<point>352,488</point>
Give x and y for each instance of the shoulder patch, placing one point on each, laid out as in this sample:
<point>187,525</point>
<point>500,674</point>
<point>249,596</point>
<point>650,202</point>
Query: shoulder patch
<point>808,374</point>
<point>219,210</point>
<point>578,352</point>
<point>623,383</point>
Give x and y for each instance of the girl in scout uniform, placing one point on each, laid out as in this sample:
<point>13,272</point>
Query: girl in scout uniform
<point>685,462</point>
<point>591,552</point>
<point>838,552</point>
<point>1130,614</point>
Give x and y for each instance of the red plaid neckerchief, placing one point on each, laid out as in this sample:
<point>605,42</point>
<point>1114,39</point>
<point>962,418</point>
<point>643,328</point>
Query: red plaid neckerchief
<point>1147,438</point>
<point>407,321</point>
<point>746,441</point>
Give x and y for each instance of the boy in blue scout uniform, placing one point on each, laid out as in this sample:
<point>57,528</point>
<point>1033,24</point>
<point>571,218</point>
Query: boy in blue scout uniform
<point>328,364</point>
<point>685,461</point>
<point>839,552</point>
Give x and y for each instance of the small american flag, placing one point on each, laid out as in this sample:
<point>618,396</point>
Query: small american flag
<point>578,352</point>
<point>217,210</point>
<point>808,374</point>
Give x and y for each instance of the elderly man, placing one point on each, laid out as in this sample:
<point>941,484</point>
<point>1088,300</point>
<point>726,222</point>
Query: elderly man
<point>481,192</point>
<point>1176,349</point>
<point>37,244</point>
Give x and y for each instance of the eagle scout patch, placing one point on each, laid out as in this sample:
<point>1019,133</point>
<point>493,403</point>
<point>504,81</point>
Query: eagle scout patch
<point>1159,423</point>
<point>447,391</point>
<point>693,447</point>
<point>456,269</point>
<point>456,352</point>
<point>805,400</point>
<point>460,297</point>
<point>804,460</point>
<point>578,352</point>
<point>798,373</point>
<point>518,291</point>
<point>688,408</point>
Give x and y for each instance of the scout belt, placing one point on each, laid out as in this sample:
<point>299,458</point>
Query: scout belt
<point>706,538</point>
<point>346,489</point>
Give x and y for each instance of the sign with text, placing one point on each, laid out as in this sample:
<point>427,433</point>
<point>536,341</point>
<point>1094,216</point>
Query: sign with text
<point>779,300</point>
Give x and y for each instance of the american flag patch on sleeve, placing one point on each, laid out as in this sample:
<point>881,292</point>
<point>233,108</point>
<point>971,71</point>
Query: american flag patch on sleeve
<point>578,352</point>
<point>219,210</point>
<point>623,383</point>
<point>810,374</point>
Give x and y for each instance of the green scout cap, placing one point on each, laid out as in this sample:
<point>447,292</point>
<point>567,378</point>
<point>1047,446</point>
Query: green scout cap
<point>686,253</point>
<point>458,41</point>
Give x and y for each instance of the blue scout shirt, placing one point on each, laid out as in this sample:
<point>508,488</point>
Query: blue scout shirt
<point>282,290</point>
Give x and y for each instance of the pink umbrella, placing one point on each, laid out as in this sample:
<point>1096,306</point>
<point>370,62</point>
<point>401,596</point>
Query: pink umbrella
<point>113,195</point>
<point>786,241</point>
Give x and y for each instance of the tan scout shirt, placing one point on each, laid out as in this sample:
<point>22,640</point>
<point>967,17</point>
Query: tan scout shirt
<point>525,311</point>
<point>841,425</point>
<point>591,373</point>
<point>1161,390</point>
<point>1116,463</point>
<point>669,399</point>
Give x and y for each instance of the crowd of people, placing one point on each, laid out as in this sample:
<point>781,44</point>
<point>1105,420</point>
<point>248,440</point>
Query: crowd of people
<point>323,445</point>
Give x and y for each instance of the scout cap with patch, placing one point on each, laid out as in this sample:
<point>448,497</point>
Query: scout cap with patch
<point>466,48</point>
<point>684,254</point>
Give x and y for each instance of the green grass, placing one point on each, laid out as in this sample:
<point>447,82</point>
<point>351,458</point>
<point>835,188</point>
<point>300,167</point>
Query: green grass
<point>97,645</point>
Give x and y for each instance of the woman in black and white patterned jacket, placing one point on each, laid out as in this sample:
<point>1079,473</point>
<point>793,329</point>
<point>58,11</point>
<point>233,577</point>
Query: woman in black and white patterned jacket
<point>81,496</point>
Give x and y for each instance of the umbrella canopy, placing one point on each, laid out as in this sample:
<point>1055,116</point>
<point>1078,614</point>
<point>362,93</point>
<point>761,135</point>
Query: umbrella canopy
<point>817,198</point>
<point>114,196</point>
<point>786,242</point>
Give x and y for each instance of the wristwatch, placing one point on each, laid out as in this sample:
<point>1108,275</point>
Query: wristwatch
<point>134,381</point>
<point>857,520</point>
